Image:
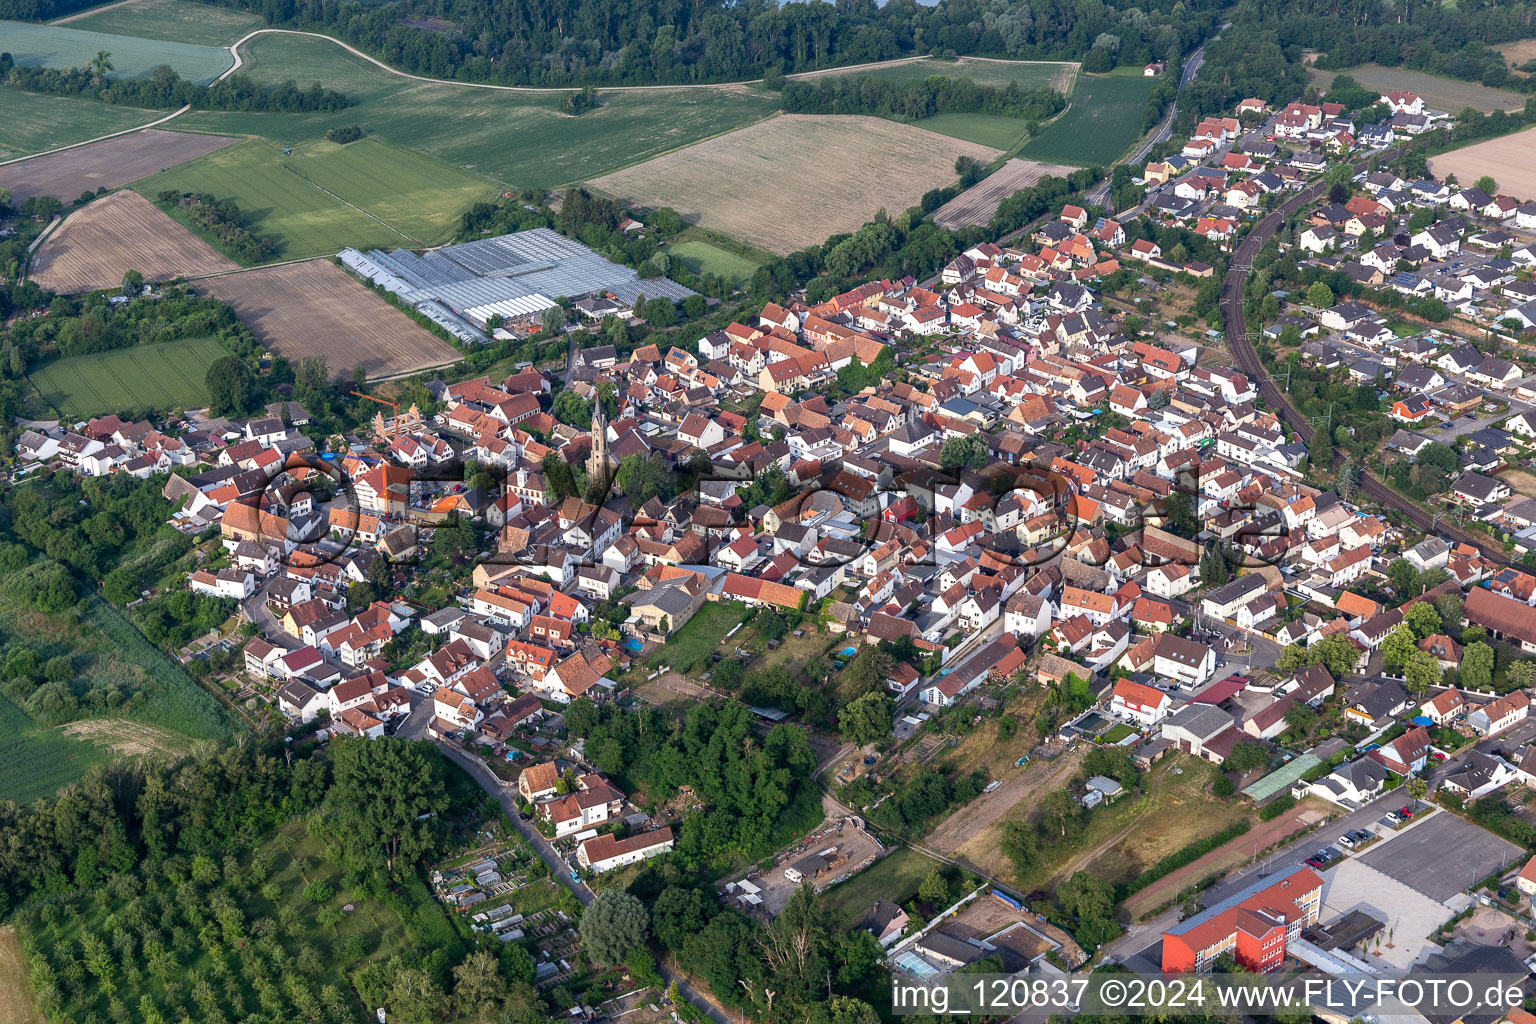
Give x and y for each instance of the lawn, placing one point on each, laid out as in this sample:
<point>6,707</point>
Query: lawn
<point>34,122</point>
<point>168,375</point>
<point>993,130</point>
<point>63,46</point>
<point>894,877</point>
<point>1103,122</point>
<point>324,197</point>
<point>174,20</point>
<point>700,636</point>
<point>702,257</point>
<point>516,138</point>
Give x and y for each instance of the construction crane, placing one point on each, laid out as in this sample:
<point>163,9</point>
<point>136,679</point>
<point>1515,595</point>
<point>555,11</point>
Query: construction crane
<point>394,407</point>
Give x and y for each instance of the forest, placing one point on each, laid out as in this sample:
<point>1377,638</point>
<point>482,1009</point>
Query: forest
<point>614,42</point>
<point>164,89</point>
<point>936,94</point>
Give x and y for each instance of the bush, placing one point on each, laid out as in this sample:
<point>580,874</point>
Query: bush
<point>1275,808</point>
<point>345,134</point>
<point>1223,786</point>
<point>318,891</point>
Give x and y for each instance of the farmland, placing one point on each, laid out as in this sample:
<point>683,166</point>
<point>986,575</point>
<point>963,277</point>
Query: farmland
<point>39,760</point>
<point>175,20</point>
<point>977,204</point>
<point>96,245</point>
<point>1518,52</point>
<point>1507,160</point>
<point>993,130</point>
<point>106,164</point>
<point>1103,121</point>
<point>34,122</point>
<point>519,139</point>
<point>1439,93</point>
<point>791,181</point>
<point>168,375</point>
<point>999,74</point>
<point>325,197</point>
<point>315,309</point>
<point>62,46</point>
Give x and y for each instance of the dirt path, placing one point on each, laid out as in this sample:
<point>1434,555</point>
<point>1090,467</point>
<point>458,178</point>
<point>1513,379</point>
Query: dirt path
<point>955,831</point>
<point>109,135</point>
<point>89,11</point>
<point>15,993</point>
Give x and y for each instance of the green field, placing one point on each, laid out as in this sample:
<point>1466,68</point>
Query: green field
<point>996,73</point>
<point>993,130</point>
<point>175,20</point>
<point>164,376</point>
<point>1439,93</point>
<point>39,760</point>
<point>63,46</point>
<point>517,138</point>
<point>325,196</point>
<point>34,122</point>
<point>701,636</point>
<point>1103,122</point>
<point>705,258</point>
<point>894,877</point>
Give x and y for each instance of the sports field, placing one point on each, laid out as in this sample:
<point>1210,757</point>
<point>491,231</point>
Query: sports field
<point>64,46</point>
<point>167,375</point>
<point>705,258</point>
<point>1448,94</point>
<point>997,73</point>
<point>1103,121</point>
<point>34,123</point>
<point>107,163</point>
<point>792,181</point>
<point>519,139</point>
<point>175,20</point>
<point>1507,160</point>
<point>95,246</point>
<point>317,309</point>
<point>324,197</point>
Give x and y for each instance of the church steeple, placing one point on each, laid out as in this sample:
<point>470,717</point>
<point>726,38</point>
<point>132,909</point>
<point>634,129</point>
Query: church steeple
<point>597,461</point>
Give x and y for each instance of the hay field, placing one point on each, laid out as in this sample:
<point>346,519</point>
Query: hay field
<point>96,245</point>
<point>315,308</point>
<point>977,204</point>
<point>167,375</point>
<point>63,46</point>
<point>106,164</point>
<point>174,20</point>
<point>325,197</point>
<point>35,122</point>
<point>1508,160</point>
<point>519,139</point>
<point>1448,94</point>
<point>1518,52</point>
<point>792,181</point>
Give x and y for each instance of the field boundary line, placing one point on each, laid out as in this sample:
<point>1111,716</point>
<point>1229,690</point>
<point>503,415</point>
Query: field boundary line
<point>99,138</point>
<point>359,209</point>
<point>90,11</point>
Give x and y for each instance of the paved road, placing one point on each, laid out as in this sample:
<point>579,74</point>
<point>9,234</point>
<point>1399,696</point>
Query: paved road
<point>256,610</point>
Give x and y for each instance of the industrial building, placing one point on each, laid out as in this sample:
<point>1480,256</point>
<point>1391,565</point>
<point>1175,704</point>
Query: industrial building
<point>518,276</point>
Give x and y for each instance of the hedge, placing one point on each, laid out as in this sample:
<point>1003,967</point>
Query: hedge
<point>1275,808</point>
<point>1182,857</point>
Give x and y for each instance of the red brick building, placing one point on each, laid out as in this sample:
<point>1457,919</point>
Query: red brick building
<point>1253,925</point>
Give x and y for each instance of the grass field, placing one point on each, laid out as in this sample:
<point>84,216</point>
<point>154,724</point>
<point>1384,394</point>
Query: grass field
<point>700,636</point>
<point>123,231</point>
<point>164,376</point>
<point>325,196</point>
<point>34,122</point>
<point>39,760</point>
<point>1103,122</point>
<point>64,46</point>
<point>317,309</point>
<point>894,877</point>
<point>705,258</point>
<point>174,20</point>
<point>1506,159</point>
<point>792,181</point>
<point>996,73</point>
<point>1447,94</point>
<point>993,130</point>
<point>519,139</point>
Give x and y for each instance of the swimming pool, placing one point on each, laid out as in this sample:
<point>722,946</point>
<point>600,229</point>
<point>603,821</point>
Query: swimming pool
<point>848,652</point>
<point>633,645</point>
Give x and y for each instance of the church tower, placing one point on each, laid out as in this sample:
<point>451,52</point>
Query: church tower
<point>597,461</point>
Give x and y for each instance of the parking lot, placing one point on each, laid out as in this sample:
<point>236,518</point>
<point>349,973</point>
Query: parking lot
<point>1410,916</point>
<point>1442,855</point>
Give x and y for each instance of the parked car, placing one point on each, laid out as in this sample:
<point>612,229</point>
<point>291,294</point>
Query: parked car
<point>1362,836</point>
<point>1395,818</point>
<point>1315,861</point>
<point>1406,812</point>
<point>1347,841</point>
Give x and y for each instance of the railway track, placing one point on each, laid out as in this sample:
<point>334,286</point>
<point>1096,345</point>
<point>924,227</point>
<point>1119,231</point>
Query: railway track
<point>1247,358</point>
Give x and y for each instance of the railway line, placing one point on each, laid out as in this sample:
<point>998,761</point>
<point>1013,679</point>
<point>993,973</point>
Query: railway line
<point>1247,358</point>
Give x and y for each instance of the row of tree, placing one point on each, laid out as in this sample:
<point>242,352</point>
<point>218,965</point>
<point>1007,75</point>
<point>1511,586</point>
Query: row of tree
<point>936,94</point>
<point>164,89</point>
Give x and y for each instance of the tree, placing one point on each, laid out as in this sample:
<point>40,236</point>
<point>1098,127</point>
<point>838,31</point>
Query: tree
<point>867,719</point>
<point>478,987</point>
<point>1487,184</point>
<point>1519,674</point>
<point>1060,814</point>
<point>1476,668</point>
<point>613,926</point>
<point>1420,672</point>
<point>678,913</point>
<point>1417,788</point>
<point>228,380</point>
<point>1398,647</point>
<point>384,800</point>
<point>965,452</point>
<point>1320,296</point>
<point>934,889</point>
<point>1422,618</point>
<point>1092,901</point>
<point>643,477</point>
<point>1300,717</point>
<point>133,283</point>
<point>1247,755</point>
<point>415,998</point>
<point>1020,845</point>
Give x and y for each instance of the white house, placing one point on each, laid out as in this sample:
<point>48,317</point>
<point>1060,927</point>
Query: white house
<point>604,853</point>
<point>1146,704</point>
